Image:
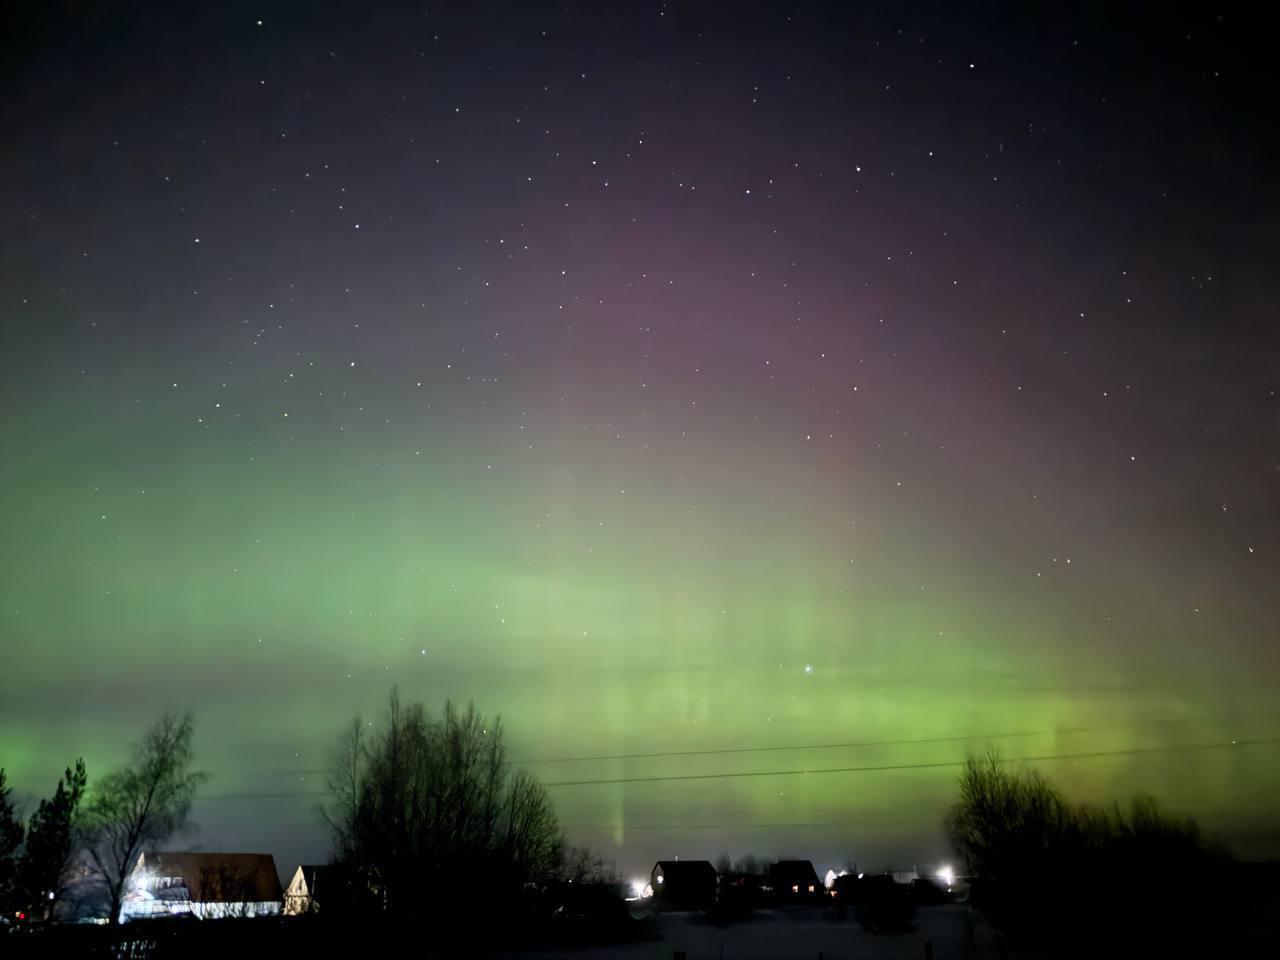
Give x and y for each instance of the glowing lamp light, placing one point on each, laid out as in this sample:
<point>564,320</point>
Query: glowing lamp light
<point>829,880</point>
<point>640,890</point>
<point>947,875</point>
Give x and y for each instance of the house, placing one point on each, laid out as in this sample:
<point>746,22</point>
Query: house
<point>794,880</point>
<point>202,885</point>
<point>302,895</point>
<point>684,884</point>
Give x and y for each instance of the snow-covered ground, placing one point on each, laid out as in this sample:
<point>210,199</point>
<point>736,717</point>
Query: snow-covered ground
<point>772,934</point>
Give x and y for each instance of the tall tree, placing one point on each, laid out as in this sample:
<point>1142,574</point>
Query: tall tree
<point>427,810</point>
<point>10,844</point>
<point>345,766</point>
<point>141,804</point>
<point>531,844</point>
<point>42,871</point>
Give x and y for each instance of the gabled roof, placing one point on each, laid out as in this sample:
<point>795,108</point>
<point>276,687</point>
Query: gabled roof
<point>793,871</point>
<point>687,869</point>
<point>218,877</point>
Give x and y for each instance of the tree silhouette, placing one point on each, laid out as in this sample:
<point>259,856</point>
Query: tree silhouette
<point>584,865</point>
<point>10,843</point>
<point>1035,857</point>
<point>43,869</point>
<point>427,813</point>
<point>141,804</point>
<point>1008,820</point>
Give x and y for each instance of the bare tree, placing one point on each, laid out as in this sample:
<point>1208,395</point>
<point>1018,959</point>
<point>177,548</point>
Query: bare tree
<point>426,812</point>
<point>1008,819</point>
<point>345,766</point>
<point>141,804</point>
<point>584,865</point>
<point>1013,827</point>
<point>751,865</point>
<point>532,840</point>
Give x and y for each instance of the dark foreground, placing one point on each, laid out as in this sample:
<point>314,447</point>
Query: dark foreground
<point>950,930</point>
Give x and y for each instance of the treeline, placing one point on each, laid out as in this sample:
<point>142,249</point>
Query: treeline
<point>34,859</point>
<point>428,820</point>
<point>1107,879</point>
<point>75,854</point>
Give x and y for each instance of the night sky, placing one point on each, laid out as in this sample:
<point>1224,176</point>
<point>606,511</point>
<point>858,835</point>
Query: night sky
<point>707,389</point>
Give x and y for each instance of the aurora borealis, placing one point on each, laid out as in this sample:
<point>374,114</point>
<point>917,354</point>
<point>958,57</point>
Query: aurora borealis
<point>665,378</point>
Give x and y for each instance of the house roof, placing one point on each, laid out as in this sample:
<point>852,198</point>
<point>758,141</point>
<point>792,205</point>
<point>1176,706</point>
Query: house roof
<point>793,871</point>
<point>218,877</point>
<point>686,869</point>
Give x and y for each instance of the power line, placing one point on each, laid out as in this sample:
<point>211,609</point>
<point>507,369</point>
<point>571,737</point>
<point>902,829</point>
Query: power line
<point>752,773</point>
<point>815,771</point>
<point>659,754</point>
<point>1064,731</point>
<point>877,768</point>
<point>802,746</point>
<point>604,828</point>
<point>281,795</point>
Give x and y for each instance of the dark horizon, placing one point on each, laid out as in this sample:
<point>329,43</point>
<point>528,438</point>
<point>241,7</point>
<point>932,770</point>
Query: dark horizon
<point>707,390</point>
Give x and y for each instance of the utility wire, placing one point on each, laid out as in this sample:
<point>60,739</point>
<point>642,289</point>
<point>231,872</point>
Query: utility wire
<point>604,828</point>
<point>814,771</point>
<point>773,749</point>
<point>877,768</point>
<point>802,746</point>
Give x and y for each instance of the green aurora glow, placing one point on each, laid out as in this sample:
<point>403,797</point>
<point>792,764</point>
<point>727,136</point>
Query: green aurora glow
<point>862,455</point>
